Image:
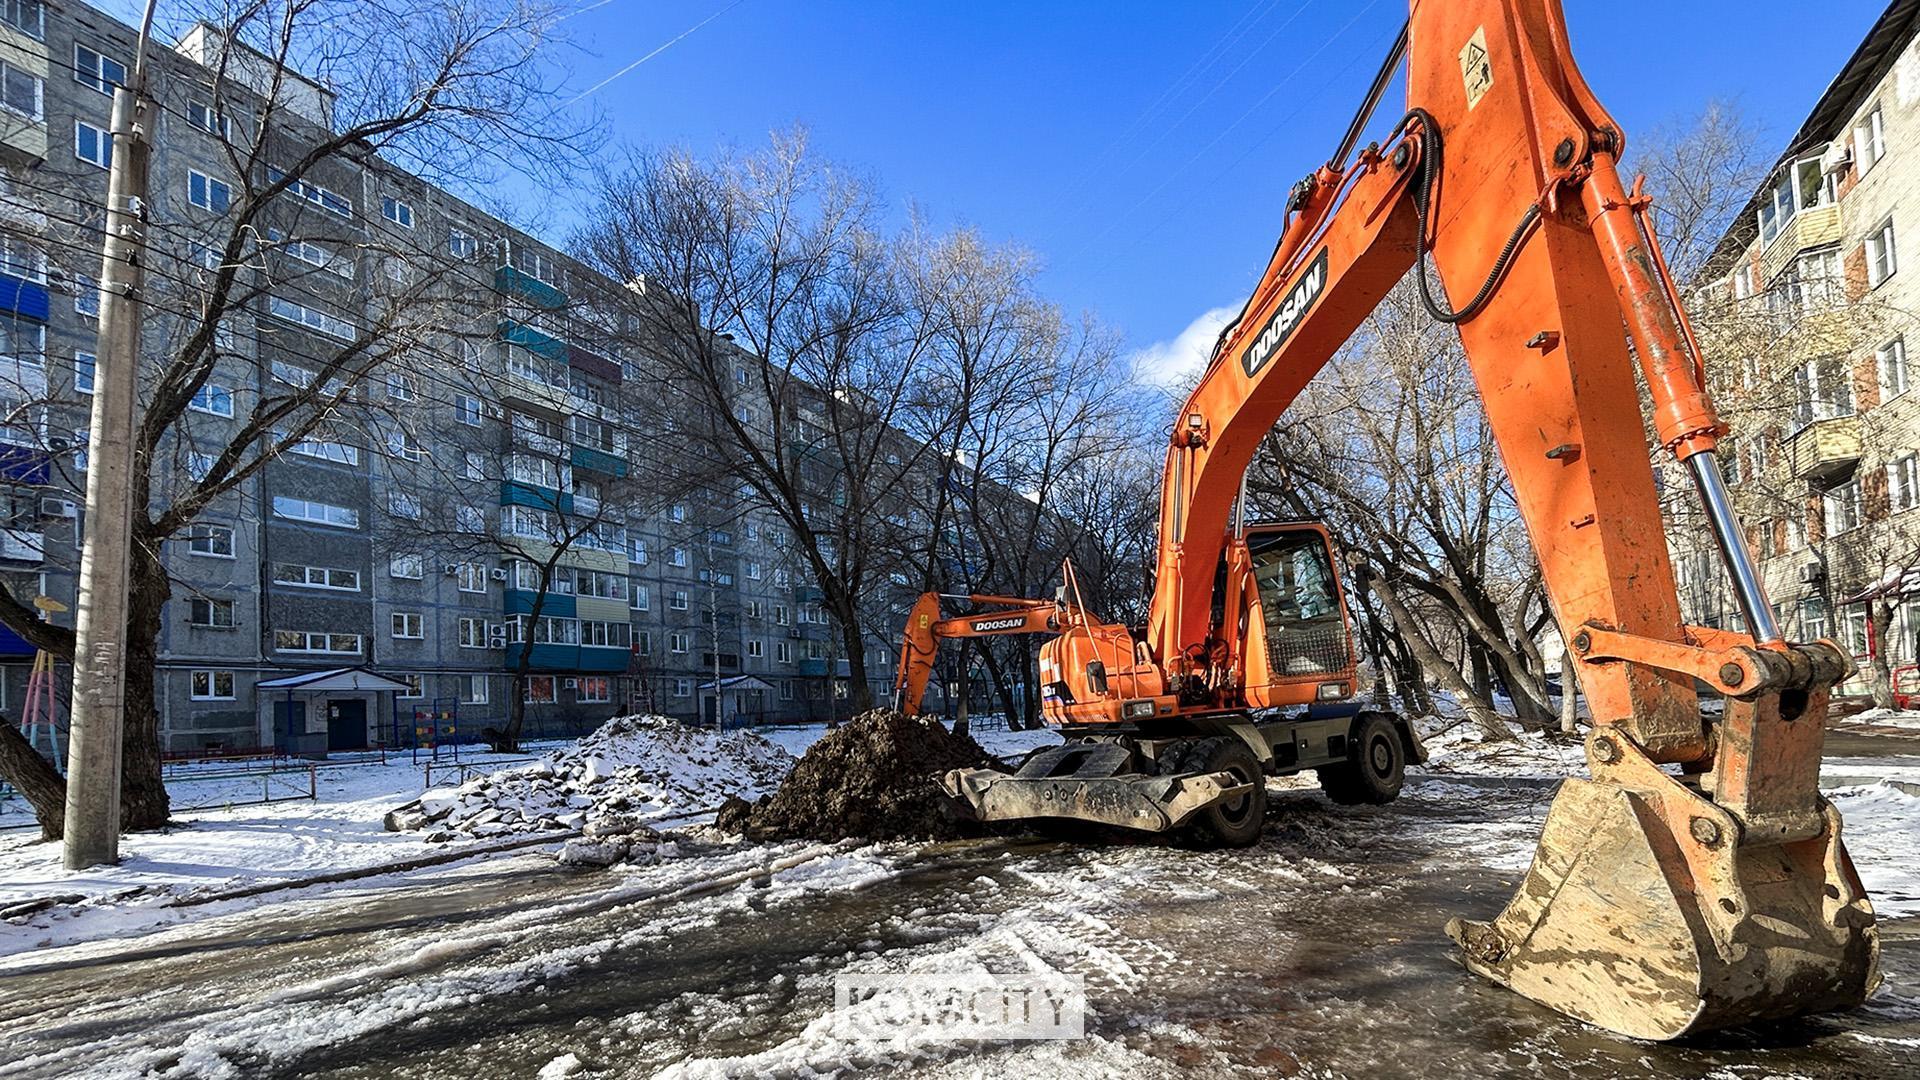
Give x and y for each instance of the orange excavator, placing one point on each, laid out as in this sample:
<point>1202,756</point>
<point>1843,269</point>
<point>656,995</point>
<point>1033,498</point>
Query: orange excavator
<point>1698,879</point>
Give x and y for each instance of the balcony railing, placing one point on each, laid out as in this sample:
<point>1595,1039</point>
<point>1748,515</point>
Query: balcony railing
<point>524,285</point>
<point>1809,229</point>
<point>23,545</point>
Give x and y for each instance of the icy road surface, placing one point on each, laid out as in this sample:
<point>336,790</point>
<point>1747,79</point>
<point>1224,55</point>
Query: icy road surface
<point>1317,953</point>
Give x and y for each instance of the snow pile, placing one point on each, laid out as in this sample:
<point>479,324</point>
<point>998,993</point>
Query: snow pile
<point>1892,718</point>
<point>1463,749</point>
<point>875,777</point>
<point>637,767</point>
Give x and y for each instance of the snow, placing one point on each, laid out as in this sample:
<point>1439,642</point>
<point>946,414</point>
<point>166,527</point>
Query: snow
<point>1895,718</point>
<point>649,767</point>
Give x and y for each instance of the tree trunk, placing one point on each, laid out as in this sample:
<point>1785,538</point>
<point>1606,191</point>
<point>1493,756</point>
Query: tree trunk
<point>1529,696</point>
<point>1003,689</point>
<point>1569,692</point>
<point>859,694</point>
<point>1880,672</point>
<point>1432,662</point>
<point>143,791</point>
<point>30,774</point>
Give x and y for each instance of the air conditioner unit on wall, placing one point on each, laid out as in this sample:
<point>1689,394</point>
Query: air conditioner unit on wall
<point>1812,572</point>
<point>569,684</point>
<point>58,508</point>
<point>451,569</point>
<point>500,575</point>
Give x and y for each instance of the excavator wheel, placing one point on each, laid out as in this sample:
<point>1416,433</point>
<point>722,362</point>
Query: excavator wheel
<point>1236,822</point>
<point>1376,769</point>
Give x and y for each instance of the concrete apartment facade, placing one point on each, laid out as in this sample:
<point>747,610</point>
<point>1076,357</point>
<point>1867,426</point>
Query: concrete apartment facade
<point>1809,325</point>
<point>392,546</point>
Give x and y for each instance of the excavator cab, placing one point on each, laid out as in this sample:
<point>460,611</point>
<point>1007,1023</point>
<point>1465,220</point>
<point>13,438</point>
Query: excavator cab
<point>1296,641</point>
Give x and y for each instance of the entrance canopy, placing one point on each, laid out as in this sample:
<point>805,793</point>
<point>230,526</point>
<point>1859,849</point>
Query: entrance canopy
<point>740,682</point>
<point>334,680</point>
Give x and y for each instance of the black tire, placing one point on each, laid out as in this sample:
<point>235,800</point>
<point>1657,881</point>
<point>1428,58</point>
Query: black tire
<point>1238,822</point>
<point>1376,766</point>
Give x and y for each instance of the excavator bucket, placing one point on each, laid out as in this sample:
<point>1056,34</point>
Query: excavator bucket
<point>1643,913</point>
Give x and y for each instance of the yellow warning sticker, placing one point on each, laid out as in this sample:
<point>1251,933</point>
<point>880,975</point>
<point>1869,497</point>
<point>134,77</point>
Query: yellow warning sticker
<point>1476,68</point>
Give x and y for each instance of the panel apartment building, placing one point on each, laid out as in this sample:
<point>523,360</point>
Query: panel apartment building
<point>407,537</point>
<point>1817,288</point>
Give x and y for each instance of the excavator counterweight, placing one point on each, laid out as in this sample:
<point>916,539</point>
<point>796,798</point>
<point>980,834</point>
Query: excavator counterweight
<point>1711,892</point>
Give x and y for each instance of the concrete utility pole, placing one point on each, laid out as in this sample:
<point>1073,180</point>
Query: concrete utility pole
<point>100,621</point>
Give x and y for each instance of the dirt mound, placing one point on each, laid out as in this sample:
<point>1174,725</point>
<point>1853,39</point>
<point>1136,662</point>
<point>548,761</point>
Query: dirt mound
<point>875,777</point>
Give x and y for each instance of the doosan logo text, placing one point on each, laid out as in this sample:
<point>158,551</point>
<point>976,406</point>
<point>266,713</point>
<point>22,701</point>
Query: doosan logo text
<point>1299,299</point>
<point>988,626</point>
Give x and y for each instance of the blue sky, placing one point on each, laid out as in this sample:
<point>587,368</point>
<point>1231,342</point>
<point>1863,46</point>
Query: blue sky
<point>1145,163</point>
<point>1149,176</point>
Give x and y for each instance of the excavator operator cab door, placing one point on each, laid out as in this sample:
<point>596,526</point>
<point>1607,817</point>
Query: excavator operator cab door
<point>1296,644</point>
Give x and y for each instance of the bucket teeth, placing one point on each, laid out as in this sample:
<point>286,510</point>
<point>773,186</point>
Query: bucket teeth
<point>1633,924</point>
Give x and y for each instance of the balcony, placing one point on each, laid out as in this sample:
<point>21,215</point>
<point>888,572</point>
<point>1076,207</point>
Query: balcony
<point>1808,229</point>
<point>593,364</point>
<point>23,545</point>
<point>515,493</point>
<point>817,668</point>
<point>586,457</point>
<point>555,605</point>
<point>529,288</point>
<point>808,594</point>
<point>23,299</point>
<point>1826,448</point>
<point>534,341</point>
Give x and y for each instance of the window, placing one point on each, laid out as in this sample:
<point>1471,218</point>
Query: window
<point>203,116</point>
<point>86,296</point>
<point>753,571</point>
<point>92,145</point>
<point>679,641</point>
<point>1842,506</point>
<point>408,566</point>
<point>683,688</point>
<point>408,625</point>
<point>476,465</point>
<point>473,690</point>
<point>316,641</point>
<point>402,387</point>
<point>677,513</point>
<point>324,449</point>
<point>22,260</point>
<point>211,613</point>
<point>593,688</point>
<point>213,541</point>
<point>416,686</point>
<point>678,601</point>
<point>210,685</point>
<point>403,504</point>
<point>1869,139</point>
<point>643,643</point>
<point>396,211</point>
<point>102,73</point>
<point>677,557</point>
<point>318,513</point>
<point>1903,483</point>
<point>786,690</point>
<point>316,577</point>
<point>207,193</point>
<point>473,633</point>
<point>1796,532</point>
<point>311,318</point>
<point>1891,360</point>
<point>637,550</point>
<point>460,245</point>
<point>1743,281</point>
<point>313,254</point>
<point>605,635</point>
<point>330,201</point>
<point>404,446</point>
<point>782,652</point>
<point>756,648</point>
<point>1822,390</point>
<point>469,519</point>
<point>467,409</point>
<point>780,616</point>
<point>27,15</point>
<point>641,597</point>
<point>212,399</point>
<point>471,577</point>
<point>1803,186</point>
<point>20,90</point>
<point>84,364</point>
<point>539,689</point>
<point>1882,259</point>
<point>198,465</point>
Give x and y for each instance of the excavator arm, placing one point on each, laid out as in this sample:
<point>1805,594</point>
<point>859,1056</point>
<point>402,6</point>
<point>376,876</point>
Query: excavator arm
<point>1656,905</point>
<point>927,627</point>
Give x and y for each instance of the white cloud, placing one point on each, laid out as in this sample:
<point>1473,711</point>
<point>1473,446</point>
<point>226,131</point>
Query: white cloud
<point>1175,364</point>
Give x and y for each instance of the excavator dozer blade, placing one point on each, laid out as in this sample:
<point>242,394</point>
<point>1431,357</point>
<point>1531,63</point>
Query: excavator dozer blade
<point>1628,923</point>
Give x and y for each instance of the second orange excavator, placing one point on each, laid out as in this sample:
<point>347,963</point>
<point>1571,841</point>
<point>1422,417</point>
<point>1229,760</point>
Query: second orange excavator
<point>1698,879</point>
